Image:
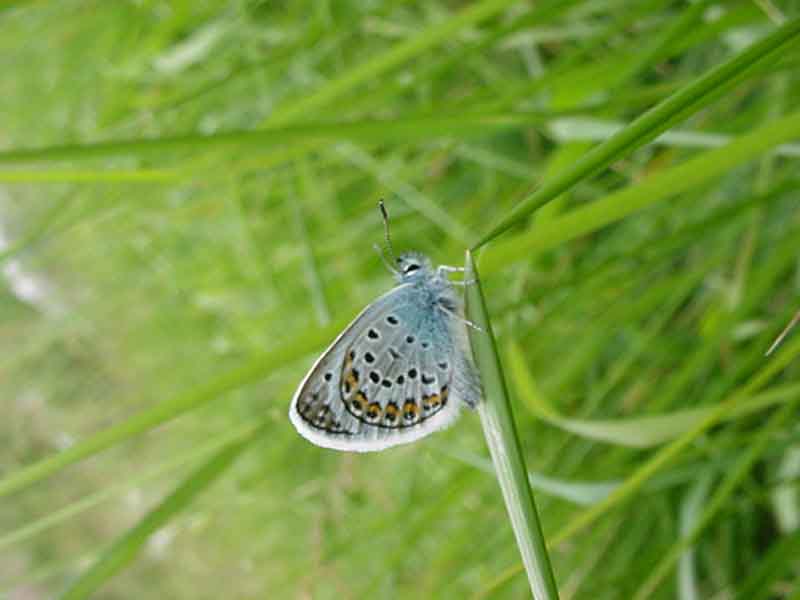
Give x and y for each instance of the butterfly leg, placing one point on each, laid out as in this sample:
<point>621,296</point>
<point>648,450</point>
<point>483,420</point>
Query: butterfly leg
<point>443,269</point>
<point>467,322</point>
<point>449,269</point>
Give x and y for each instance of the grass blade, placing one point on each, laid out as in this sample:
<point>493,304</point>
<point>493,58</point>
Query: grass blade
<point>666,184</point>
<point>690,509</point>
<point>501,437</point>
<point>776,562</point>
<point>127,547</point>
<point>62,515</point>
<point>731,482</point>
<point>376,66</point>
<point>635,432</point>
<point>666,455</point>
<point>665,114</point>
<point>414,128</point>
<point>165,411</point>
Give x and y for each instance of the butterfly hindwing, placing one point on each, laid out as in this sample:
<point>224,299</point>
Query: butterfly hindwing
<point>317,409</point>
<point>393,379</point>
<point>388,379</point>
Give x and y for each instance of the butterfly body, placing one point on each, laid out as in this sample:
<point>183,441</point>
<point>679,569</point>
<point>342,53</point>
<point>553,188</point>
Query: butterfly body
<point>398,372</point>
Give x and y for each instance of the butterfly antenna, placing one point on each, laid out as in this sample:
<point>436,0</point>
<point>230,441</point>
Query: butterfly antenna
<point>784,333</point>
<point>386,235</point>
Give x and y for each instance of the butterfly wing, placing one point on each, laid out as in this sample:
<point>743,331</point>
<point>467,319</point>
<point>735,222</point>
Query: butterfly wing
<point>390,378</point>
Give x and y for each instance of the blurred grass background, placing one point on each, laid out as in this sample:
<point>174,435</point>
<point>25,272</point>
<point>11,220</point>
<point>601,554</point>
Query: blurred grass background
<point>197,274</point>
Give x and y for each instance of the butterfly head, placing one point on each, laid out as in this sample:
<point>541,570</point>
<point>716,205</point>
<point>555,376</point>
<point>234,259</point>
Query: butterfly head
<point>413,266</point>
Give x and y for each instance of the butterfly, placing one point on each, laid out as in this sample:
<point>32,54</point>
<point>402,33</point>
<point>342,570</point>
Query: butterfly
<point>400,371</point>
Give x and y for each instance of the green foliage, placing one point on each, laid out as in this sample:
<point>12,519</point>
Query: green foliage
<point>187,212</point>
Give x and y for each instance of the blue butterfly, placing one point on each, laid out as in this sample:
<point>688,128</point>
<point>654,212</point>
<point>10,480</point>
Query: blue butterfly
<point>401,370</point>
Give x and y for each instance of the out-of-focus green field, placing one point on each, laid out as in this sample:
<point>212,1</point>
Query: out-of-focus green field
<point>187,217</point>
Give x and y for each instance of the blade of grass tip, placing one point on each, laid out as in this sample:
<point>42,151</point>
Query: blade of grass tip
<point>665,114</point>
<point>169,409</point>
<point>127,547</point>
<point>501,437</point>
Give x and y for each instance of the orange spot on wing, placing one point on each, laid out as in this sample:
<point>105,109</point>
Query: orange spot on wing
<point>374,410</point>
<point>410,410</point>
<point>359,403</point>
<point>351,378</point>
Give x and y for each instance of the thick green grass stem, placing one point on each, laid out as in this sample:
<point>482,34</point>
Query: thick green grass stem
<point>501,437</point>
